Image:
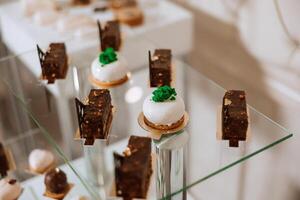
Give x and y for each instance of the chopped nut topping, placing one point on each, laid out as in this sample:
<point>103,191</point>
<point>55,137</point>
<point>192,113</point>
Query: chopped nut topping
<point>227,102</point>
<point>127,152</point>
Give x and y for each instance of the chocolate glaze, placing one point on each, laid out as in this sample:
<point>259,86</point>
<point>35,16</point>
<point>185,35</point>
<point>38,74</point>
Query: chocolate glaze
<point>234,117</point>
<point>56,181</point>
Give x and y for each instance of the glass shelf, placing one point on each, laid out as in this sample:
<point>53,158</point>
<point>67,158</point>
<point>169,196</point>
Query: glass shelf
<point>35,111</point>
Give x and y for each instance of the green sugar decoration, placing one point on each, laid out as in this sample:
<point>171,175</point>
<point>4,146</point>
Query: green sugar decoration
<point>164,93</point>
<point>107,56</point>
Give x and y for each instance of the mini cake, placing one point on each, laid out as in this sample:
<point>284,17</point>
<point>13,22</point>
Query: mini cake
<point>133,169</point>
<point>120,4</point>
<point>131,16</point>
<point>54,62</point>
<point>56,183</point>
<point>234,117</point>
<point>10,189</point>
<point>164,109</point>
<point>160,68</point>
<point>4,165</point>
<point>95,117</point>
<point>110,35</point>
<point>109,67</point>
<point>40,160</point>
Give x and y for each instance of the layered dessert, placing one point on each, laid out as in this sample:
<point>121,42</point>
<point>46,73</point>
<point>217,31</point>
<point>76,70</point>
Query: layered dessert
<point>131,16</point>
<point>164,109</point>
<point>110,35</point>
<point>54,62</point>
<point>133,169</point>
<point>95,117</point>
<point>109,68</point>
<point>4,165</point>
<point>10,189</point>
<point>40,160</point>
<point>160,67</point>
<point>234,117</point>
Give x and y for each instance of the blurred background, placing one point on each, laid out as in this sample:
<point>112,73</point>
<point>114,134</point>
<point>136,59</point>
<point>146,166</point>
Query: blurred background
<point>240,44</point>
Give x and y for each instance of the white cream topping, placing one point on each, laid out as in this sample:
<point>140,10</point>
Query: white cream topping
<point>163,113</point>
<point>40,160</point>
<point>110,72</point>
<point>9,191</point>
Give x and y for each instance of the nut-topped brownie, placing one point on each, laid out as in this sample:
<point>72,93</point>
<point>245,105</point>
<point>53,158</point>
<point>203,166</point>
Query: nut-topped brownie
<point>234,117</point>
<point>110,35</point>
<point>160,68</point>
<point>4,166</point>
<point>54,62</point>
<point>133,169</point>
<point>95,117</point>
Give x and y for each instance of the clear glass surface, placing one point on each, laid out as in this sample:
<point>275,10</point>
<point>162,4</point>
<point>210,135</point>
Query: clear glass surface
<point>34,111</point>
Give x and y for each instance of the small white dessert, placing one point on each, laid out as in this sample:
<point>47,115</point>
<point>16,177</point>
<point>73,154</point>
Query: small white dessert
<point>40,160</point>
<point>47,17</point>
<point>32,6</point>
<point>74,22</point>
<point>111,72</point>
<point>10,189</point>
<point>166,113</point>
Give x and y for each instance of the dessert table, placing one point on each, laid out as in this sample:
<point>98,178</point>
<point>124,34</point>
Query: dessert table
<point>206,157</point>
<point>21,36</point>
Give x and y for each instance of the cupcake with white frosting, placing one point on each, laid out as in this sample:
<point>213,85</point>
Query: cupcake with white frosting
<point>164,109</point>
<point>109,68</point>
<point>40,160</point>
<point>10,189</point>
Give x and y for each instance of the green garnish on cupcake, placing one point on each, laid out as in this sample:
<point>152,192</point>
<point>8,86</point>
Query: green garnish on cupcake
<point>164,93</point>
<point>107,56</point>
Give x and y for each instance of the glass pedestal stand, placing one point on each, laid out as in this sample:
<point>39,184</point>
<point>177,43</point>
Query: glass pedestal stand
<point>96,172</point>
<point>170,165</point>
